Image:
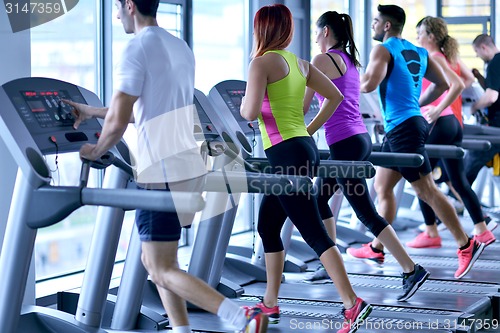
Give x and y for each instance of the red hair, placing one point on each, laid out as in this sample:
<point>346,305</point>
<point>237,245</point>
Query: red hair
<point>273,29</point>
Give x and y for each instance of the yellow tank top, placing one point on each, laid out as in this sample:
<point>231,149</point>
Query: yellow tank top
<point>282,115</point>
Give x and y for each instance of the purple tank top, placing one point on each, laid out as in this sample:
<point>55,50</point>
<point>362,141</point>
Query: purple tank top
<point>347,120</point>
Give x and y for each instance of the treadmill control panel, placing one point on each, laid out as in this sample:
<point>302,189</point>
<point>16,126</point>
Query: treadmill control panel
<point>203,126</point>
<point>233,99</point>
<point>46,108</point>
<point>37,102</point>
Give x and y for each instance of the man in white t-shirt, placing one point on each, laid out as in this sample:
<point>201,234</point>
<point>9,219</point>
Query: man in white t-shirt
<point>155,89</point>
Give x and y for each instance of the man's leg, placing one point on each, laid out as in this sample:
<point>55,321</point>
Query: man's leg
<point>160,260</point>
<point>175,285</point>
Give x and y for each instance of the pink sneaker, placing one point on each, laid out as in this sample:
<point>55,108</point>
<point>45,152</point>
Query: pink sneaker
<point>423,240</point>
<point>486,237</point>
<point>256,321</point>
<point>273,313</point>
<point>467,257</point>
<point>355,316</point>
<point>366,252</point>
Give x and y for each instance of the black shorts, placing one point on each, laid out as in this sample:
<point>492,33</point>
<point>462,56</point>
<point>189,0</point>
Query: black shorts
<point>166,226</point>
<point>409,137</point>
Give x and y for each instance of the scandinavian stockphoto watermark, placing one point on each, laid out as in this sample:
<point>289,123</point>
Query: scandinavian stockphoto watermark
<point>26,14</point>
<point>381,325</point>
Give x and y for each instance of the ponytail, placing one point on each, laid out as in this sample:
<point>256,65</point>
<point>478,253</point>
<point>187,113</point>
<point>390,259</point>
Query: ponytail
<point>341,26</point>
<point>353,51</point>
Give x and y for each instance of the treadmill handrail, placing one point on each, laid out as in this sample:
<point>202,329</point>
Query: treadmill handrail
<point>70,198</point>
<point>495,140</point>
<point>256,182</point>
<point>476,144</point>
<point>327,168</point>
<point>387,159</point>
<point>481,130</point>
<point>185,202</point>
<point>396,159</point>
<point>436,151</point>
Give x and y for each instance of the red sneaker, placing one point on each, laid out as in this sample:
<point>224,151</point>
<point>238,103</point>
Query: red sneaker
<point>486,237</point>
<point>256,321</point>
<point>467,257</point>
<point>272,313</point>
<point>366,252</point>
<point>355,316</point>
<point>423,240</point>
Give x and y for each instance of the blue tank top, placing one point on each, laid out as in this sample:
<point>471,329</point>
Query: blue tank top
<point>400,90</point>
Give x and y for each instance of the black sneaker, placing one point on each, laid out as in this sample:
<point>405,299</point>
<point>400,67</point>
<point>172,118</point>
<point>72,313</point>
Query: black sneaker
<point>320,276</point>
<point>413,281</point>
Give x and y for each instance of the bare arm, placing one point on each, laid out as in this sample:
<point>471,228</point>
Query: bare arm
<point>83,112</point>
<point>456,87</point>
<point>308,99</point>
<point>480,78</point>
<point>434,74</point>
<point>489,97</point>
<point>319,82</point>
<point>256,88</point>
<point>466,74</point>
<point>326,66</point>
<point>115,124</point>
<point>376,69</point>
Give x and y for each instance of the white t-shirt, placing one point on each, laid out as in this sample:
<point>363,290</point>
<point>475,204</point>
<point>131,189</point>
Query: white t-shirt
<point>159,68</point>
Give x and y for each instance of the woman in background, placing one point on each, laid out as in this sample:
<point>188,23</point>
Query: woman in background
<point>446,128</point>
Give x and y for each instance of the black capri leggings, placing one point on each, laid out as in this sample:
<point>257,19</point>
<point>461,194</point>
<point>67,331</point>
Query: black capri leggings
<point>447,131</point>
<point>355,148</point>
<point>296,156</point>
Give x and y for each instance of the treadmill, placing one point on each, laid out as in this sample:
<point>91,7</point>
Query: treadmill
<point>33,123</point>
<point>303,293</point>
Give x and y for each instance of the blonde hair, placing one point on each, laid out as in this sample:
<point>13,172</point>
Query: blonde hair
<point>447,44</point>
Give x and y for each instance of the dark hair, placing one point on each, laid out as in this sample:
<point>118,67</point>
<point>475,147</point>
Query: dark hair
<point>447,44</point>
<point>273,29</point>
<point>341,26</point>
<point>145,7</point>
<point>394,14</point>
<point>483,39</point>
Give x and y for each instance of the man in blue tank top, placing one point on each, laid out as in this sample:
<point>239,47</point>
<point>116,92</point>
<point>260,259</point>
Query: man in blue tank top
<point>397,67</point>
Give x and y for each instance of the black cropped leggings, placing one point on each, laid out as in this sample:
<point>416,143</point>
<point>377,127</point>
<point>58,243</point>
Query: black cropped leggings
<point>447,131</point>
<point>296,156</point>
<point>355,148</point>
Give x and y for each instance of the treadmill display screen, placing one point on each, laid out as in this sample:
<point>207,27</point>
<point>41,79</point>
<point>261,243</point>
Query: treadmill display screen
<point>47,108</point>
<point>236,97</point>
<point>233,99</point>
<point>36,106</point>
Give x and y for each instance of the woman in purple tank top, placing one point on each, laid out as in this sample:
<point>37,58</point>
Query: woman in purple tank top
<point>348,139</point>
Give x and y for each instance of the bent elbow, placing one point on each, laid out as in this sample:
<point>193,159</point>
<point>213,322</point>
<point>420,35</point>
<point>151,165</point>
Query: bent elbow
<point>443,87</point>
<point>492,99</point>
<point>247,116</point>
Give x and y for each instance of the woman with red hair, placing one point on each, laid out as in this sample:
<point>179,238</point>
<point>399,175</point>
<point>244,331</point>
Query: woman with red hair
<point>276,85</point>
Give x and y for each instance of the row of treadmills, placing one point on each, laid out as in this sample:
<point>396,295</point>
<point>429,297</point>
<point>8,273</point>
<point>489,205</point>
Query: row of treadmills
<point>442,304</point>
